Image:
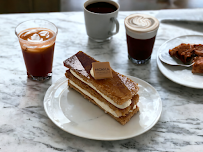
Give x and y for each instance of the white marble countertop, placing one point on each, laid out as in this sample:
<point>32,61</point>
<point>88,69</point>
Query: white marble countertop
<point>24,125</point>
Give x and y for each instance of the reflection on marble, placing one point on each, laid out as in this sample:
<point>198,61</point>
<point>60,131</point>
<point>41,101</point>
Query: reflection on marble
<point>24,125</point>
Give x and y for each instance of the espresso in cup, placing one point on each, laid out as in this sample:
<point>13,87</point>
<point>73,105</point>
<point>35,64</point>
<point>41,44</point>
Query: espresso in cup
<point>141,32</point>
<point>101,19</point>
<point>101,7</point>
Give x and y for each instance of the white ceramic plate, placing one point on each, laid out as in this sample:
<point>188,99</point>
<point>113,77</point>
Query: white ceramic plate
<point>178,74</point>
<point>76,115</point>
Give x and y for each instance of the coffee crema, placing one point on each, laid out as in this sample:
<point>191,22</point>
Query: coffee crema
<point>36,34</point>
<point>141,23</point>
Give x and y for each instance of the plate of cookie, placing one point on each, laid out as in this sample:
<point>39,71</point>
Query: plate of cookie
<point>191,76</point>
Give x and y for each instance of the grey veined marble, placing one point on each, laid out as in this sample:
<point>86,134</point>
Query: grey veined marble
<point>24,125</point>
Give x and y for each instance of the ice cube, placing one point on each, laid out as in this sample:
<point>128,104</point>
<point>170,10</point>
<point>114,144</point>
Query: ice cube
<point>30,32</point>
<point>35,37</point>
<point>44,33</point>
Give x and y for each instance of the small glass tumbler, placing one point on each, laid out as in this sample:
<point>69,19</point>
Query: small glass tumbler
<point>141,30</point>
<point>37,41</point>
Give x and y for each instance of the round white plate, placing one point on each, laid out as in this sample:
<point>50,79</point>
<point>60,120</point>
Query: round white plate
<point>178,74</point>
<point>76,115</point>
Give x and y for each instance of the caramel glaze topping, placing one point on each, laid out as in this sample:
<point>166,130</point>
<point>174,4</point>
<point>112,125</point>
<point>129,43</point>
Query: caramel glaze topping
<point>119,88</point>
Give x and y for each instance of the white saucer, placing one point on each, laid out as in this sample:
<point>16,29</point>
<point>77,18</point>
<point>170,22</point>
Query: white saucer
<point>76,115</point>
<point>178,74</point>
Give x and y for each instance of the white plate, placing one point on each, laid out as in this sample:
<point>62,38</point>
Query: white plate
<point>178,74</point>
<point>76,115</point>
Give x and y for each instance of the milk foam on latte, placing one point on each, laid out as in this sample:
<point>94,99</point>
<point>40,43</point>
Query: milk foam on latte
<point>141,23</point>
<point>141,26</point>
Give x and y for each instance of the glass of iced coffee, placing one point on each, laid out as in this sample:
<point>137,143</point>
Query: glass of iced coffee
<point>37,41</point>
<point>141,30</point>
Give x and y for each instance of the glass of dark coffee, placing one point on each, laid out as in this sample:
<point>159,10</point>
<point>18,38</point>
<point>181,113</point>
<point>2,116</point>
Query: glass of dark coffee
<point>101,19</point>
<point>37,41</point>
<point>141,30</point>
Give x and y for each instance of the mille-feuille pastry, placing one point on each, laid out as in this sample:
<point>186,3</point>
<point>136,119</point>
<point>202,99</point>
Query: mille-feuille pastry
<point>117,96</point>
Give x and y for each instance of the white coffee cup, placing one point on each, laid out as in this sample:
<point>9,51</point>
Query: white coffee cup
<point>100,26</point>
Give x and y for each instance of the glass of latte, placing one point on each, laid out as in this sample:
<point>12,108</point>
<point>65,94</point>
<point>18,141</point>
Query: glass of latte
<point>37,41</point>
<point>141,30</point>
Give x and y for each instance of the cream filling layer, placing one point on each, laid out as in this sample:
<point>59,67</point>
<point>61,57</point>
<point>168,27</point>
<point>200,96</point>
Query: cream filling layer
<point>123,106</point>
<point>103,105</point>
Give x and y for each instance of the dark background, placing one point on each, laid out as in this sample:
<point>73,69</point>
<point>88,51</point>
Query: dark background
<point>31,6</point>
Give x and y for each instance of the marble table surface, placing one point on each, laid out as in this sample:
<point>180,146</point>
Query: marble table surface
<point>24,125</point>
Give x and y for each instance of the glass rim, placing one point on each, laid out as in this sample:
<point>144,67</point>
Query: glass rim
<point>55,33</point>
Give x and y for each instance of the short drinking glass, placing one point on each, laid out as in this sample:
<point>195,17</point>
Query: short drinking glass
<point>37,41</point>
<point>141,30</point>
